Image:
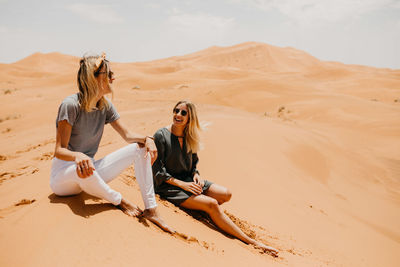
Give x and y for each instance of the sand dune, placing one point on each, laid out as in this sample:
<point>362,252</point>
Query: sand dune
<point>309,148</point>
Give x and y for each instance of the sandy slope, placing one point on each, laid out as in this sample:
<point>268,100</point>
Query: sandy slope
<point>310,150</point>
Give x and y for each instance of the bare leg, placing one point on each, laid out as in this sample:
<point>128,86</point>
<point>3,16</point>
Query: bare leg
<point>211,206</point>
<point>219,192</point>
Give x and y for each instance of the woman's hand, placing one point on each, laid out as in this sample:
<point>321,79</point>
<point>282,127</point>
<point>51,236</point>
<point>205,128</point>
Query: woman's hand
<point>151,148</point>
<point>84,165</point>
<point>131,137</point>
<point>197,180</point>
<point>192,187</point>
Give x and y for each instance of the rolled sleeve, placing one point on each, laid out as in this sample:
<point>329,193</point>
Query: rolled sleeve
<point>160,173</point>
<point>112,113</point>
<point>195,160</point>
<point>68,111</point>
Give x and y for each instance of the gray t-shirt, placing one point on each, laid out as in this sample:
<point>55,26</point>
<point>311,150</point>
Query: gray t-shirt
<point>87,127</point>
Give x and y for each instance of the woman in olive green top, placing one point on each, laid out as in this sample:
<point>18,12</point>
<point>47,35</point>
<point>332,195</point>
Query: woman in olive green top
<point>177,179</point>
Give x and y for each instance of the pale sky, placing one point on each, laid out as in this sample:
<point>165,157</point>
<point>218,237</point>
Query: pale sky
<point>365,32</point>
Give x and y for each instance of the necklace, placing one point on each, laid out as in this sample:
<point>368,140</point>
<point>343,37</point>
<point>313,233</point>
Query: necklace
<point>172,130</point>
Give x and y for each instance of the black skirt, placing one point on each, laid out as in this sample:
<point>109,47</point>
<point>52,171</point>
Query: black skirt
<point>177,195</point>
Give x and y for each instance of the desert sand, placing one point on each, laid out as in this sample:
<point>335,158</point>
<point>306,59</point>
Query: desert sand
<point>310,150</point>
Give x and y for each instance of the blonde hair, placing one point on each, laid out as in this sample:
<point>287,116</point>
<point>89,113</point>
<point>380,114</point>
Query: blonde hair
<point>88,86</point>
<point>192,128</point>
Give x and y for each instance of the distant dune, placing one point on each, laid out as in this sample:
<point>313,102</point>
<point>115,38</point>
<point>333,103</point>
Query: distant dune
<point>309,148</point>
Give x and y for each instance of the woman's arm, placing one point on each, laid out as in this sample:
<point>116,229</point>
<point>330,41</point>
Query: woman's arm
<point>63,135</point>
<point>131,137</point>
<point>84,164</point>
<point>126,134</point>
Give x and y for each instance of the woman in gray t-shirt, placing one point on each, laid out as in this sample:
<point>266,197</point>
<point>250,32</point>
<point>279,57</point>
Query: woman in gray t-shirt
<point>80,124</point>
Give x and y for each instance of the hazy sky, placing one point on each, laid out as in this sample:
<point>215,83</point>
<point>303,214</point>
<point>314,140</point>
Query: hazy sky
<point>363,32</point>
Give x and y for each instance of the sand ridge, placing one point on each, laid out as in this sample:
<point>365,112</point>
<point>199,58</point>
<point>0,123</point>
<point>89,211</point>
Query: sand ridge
<point>309,149</point>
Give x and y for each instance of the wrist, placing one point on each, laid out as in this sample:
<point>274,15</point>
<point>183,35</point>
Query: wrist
<point>75,155</point>
<point>148,137</point>
<point>177,182</point>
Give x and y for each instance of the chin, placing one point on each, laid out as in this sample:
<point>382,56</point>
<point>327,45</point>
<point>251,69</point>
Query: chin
<point>176,123</point>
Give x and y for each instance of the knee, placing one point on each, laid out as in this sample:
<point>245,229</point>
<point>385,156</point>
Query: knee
<point>225,197</point>
<point>228,195</point>
<point>137,152</point>
<point>133,149</point>
<point>213,205</point>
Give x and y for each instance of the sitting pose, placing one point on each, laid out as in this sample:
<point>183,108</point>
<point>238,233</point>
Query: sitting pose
<point>80,124</point>
<point>177,179</point>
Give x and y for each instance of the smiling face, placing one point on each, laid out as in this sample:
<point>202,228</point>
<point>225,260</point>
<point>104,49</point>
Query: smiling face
<point>181,115</point>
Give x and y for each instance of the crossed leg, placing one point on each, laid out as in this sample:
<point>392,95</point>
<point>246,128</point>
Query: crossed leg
<point>219,192</point>
<point>67,182</point>
<point>210,203</point>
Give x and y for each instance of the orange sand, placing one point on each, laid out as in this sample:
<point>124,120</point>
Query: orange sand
<point>310,150</point>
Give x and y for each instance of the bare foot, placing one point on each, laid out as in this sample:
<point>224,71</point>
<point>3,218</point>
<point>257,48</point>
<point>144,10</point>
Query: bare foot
<point>273,251</point>
<point>153,216</point>
<point>129,208</point>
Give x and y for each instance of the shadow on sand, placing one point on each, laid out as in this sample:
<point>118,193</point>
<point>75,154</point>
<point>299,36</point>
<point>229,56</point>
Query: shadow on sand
<point>78,206</point>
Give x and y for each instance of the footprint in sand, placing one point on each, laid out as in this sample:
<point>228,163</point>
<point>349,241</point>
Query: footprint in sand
<point>7,176</point>
<point>5,158</point>
<point>46,142</point>
<point>10,117</point>
<point>192,239</point>
<point>184,237</point>
<point>26,170</point>
<point>45,156</point>
<point>7,130</point>
<point>23,202</point>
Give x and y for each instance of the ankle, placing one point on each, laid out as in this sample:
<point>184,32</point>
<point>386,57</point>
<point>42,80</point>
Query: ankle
<point>151,211</point>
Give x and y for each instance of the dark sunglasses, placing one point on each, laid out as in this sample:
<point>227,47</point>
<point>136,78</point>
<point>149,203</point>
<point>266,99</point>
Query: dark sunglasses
<point>110,74</point>
<point>183,112</point>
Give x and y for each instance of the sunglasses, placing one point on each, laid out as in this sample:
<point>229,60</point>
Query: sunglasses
<point>183,112</point>
<point>110,74</point>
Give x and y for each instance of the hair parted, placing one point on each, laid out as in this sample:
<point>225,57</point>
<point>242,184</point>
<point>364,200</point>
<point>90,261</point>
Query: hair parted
<point>192,128</point>
<point>88,86</point>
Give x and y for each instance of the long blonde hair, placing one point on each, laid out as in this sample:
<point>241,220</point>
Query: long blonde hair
<point>87,83</point>
<point>192,128</point>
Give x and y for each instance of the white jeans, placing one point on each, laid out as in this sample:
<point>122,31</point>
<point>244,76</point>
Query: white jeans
<point>64,180</point>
